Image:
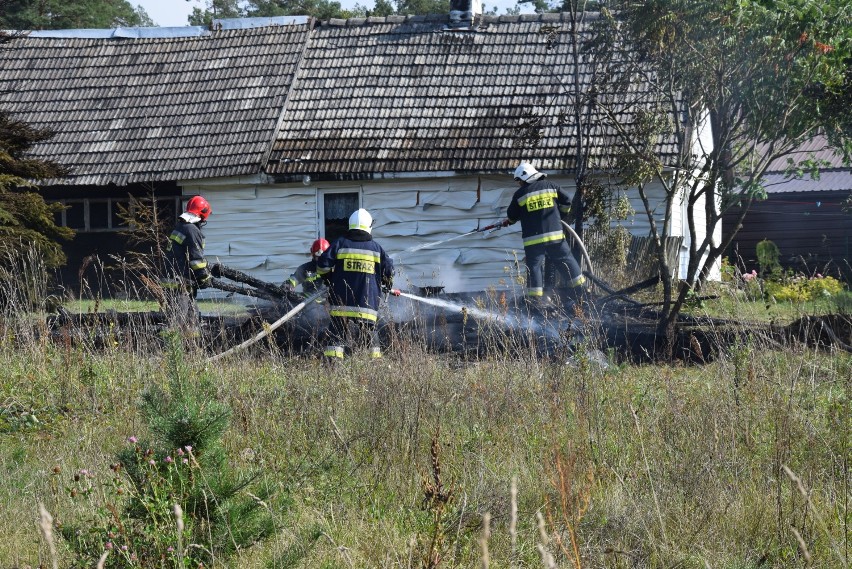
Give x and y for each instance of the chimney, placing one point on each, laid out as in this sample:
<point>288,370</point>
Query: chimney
<point>463,12</point>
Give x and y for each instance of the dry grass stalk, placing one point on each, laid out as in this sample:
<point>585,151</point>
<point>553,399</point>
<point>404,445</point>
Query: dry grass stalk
<point>483,541</point>
<point>412,543</point>
<point>802,545</point>
<point>436,498</point>
<point>648,473</point>
<point>513,517</point>
<point>46,525</point>
<point>573,502</point>
<point>835,548</point>
<point>546,558</point>
<point>179,524</point>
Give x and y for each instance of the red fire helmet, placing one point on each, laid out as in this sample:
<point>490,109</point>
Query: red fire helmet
<point>199,206</point>
<point>318,246</point>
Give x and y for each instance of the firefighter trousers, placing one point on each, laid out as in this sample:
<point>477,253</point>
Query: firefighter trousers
<point>559,254</point>
<point>345,335</point>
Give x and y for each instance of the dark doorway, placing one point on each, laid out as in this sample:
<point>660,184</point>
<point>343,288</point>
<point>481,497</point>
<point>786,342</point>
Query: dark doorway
<point>336,207</point>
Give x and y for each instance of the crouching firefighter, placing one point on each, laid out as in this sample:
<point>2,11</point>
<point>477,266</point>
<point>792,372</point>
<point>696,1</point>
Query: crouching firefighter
<point>186,268</point>
<point>356,269</point>
<point>306,273</point>
<point>539,205</point>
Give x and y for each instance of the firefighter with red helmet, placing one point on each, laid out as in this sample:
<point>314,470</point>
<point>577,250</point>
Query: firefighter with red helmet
<point>357,269</point>
<point>306,273</point>
<point>540,205</point>
<point>186,266</point>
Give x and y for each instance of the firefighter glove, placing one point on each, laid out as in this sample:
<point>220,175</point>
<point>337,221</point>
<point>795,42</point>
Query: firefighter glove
<point>506,222</point>
<point>216,270</point>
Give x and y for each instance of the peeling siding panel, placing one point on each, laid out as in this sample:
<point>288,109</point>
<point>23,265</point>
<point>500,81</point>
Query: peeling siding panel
<point>264,230</point>
<point>267,229</point>
<point>443,210</point>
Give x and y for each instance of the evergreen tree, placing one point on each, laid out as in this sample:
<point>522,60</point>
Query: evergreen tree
<point>176,500</point>
<point>70,14</point>
<point>25,218</point>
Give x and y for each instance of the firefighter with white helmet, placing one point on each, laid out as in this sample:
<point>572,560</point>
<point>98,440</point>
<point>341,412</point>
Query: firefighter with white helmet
<point>540,205</point>
<point>186,266</point>
<point>306,274</point>
<point>357,269</point>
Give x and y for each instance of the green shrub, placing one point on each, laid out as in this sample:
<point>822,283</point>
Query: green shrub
<point>801,288</point>
<point>820,286</point>
<point>173,501</point>
<point>768,255</point>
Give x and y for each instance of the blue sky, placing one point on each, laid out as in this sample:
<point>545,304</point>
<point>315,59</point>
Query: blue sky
<point>175,12</point>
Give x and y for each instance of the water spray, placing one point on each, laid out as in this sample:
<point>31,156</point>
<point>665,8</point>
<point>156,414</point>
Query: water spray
<point>493,226</point>
<point>507,319</point>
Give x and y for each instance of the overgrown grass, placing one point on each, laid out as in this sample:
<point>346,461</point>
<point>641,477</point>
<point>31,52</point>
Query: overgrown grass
<point>409,461</point>
<point>652,466</point>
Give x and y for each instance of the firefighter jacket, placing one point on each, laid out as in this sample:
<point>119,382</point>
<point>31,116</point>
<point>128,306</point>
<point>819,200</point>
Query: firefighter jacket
<point>539,206</point>
<point>356,267</point>
<point>306,275</point>
<point>185,260</point>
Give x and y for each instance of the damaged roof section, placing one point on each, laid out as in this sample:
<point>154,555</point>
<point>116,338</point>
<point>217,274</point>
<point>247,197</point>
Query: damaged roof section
<point>408,94</point>
<point>159,107</point>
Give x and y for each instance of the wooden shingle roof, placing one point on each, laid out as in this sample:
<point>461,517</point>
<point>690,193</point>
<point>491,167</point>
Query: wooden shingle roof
<point>153,109</point>
<point>408,94</point>
<point>347,98</point>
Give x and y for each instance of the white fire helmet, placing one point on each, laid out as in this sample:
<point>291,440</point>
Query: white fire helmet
<point>362,220</point>
<point>526,172</point>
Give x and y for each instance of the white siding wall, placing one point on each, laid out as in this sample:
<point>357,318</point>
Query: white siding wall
<point>266,229</point>
<point>702,142</point>
<point>410,214</point>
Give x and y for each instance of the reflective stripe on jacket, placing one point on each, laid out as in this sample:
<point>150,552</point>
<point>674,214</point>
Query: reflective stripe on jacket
<point>539,207</point>
<point>356,266</point>
<point>305,275</point>
<point>185,253</point>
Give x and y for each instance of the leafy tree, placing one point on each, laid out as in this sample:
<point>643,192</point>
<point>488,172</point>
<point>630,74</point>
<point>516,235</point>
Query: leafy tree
<point>763,76</point>
<point>321,9</point>
<point>421,7</point>
<point>70,14</point>
<point>215,9</point>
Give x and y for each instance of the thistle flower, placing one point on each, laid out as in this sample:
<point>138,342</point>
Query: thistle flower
<point>132,440</point>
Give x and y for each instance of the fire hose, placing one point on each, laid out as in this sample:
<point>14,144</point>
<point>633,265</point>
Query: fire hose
<point>567,228</point>
<point>267,330</point>
<point>579,241</point>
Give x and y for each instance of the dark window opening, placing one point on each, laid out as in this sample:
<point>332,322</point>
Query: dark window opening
<point>337,207</point>
<point>98,215</point>
<point>75,215</point>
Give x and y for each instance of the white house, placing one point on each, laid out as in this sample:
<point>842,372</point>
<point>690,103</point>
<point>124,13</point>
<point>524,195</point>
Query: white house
<point>287,125</point>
